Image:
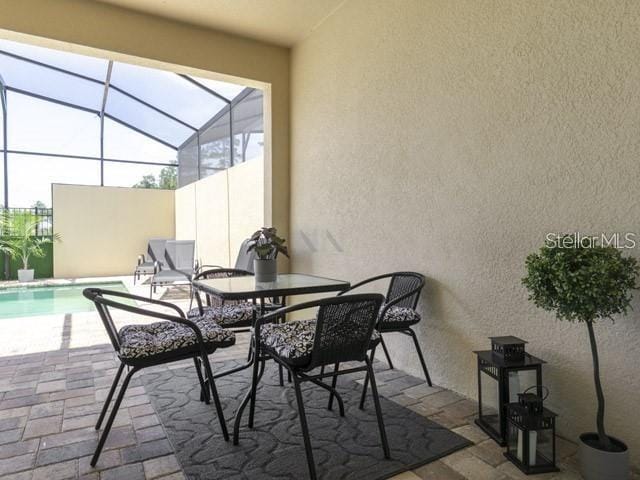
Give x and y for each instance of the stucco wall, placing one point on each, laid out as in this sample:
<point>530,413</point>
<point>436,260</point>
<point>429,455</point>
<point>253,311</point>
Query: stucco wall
<point>104,229</point>
<point>220,211</point>
<point>103,30</point>
<point>448,138</point>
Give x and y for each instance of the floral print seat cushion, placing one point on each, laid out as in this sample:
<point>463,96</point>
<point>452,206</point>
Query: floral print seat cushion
<point>143,341</point>
<point>399,317</point>
<point>226,315</point>
<point>293,341</point>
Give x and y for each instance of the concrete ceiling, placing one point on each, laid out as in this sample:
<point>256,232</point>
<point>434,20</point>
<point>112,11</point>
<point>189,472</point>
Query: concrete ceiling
<point>283,22</point>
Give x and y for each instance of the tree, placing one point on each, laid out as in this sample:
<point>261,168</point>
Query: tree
<point>39,204</point>
<point>19,236</point>
<point>148,181</point>
<point>583,284</point>
<point>167,179</point>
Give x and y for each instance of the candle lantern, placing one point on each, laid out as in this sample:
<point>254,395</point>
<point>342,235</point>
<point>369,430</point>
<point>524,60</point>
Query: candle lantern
<point>531,435</point>
<point>503,373</point>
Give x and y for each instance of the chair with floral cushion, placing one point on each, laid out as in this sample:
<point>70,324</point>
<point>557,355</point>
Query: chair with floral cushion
<point>145,345</point>
<point>229,313</point>
<point>398,313</point>
<point>342,331</point>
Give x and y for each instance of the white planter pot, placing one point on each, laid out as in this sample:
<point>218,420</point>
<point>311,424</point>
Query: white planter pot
<point>596,464</point>
<point>25,275</point>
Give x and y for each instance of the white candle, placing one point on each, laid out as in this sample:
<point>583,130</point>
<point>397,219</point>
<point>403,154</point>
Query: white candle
<point>533,439</point>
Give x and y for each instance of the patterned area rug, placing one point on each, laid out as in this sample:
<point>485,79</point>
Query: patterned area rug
<point>345,448</point>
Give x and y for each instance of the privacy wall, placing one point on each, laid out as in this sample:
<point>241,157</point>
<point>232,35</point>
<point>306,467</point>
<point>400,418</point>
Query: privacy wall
<point>221,210</point>
<point>449,138</point>
<point>104,229</point>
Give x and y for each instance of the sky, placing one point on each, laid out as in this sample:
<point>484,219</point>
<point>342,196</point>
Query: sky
<point>45,127</point>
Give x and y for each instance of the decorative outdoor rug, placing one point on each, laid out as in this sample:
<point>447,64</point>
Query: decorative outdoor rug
<point>346,447</point>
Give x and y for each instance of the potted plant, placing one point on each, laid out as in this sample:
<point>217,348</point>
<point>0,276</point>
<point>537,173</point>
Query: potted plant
<point>586,284</point>
<point>20,240</point>
<point>266,244</point>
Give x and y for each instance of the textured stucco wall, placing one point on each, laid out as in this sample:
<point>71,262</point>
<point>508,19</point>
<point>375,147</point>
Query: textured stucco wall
<point>104,229</point>
<point>448,138</point>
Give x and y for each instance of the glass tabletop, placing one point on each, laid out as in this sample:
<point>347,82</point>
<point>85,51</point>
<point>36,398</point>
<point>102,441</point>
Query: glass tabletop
<point>286,284</point>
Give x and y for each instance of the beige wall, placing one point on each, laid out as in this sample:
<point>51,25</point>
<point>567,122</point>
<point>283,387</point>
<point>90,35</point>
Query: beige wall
<point>448,138</point>
<point>220,211</point>
<point>100,29</point>
<point>104,229</point>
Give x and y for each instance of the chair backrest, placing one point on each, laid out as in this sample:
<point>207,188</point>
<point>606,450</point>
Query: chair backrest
<point>155,249</point>
<point>104,300</point>
<point>179,255</point>
<point>245,259</point>
<point>96,296</point>
<point>344,326</point>
<point>220,273</point>
<point>405,283</point>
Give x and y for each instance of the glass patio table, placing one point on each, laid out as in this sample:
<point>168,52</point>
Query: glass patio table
<point>246,288</point>
<point>286,284</point>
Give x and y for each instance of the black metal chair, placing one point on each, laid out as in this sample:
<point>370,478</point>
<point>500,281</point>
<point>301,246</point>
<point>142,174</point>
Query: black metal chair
<point>145,345</point>
<point>227,314</point>
<point>398,314</point>
<point>342,331</point>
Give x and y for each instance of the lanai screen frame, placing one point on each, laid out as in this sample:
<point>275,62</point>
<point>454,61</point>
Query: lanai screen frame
<point>107,86</point>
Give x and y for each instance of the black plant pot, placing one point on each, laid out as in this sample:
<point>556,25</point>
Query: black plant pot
<point>598,464</point>
<point>265,270</point>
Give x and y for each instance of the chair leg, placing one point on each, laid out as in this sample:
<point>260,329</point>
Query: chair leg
<point>334,382</point>
<point>107,401</point>
<point>204,390</point>
<point>366,380</point>
<point>254,391</point>
<point>386,352</point>
<point>135,274</point>
<point>112,417</point>
<point>245,401</point>
<point>280,375</point>
<point>412,334</point>
<point>216,399</point>
<point>305,429</point>
<point>151,290</point>
<point>376,401</point>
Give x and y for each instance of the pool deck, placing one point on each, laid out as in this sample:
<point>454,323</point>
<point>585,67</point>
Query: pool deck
<point>55,372</point>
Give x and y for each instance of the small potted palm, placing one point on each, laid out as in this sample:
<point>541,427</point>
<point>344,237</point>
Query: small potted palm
<point>586,284</point>
<point>266,244</point>
<point>20,240</point>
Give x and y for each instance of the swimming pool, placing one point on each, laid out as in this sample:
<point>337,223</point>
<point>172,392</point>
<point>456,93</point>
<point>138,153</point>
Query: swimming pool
<point>49,300</point>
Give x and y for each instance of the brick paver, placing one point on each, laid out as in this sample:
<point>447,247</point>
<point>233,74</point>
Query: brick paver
<point>50,400</point>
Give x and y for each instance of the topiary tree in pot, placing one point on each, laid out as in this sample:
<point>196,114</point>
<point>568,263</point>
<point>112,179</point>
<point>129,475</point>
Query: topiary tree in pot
<point>586,284</point>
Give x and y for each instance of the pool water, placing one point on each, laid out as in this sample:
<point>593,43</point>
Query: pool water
<point>49,300</point>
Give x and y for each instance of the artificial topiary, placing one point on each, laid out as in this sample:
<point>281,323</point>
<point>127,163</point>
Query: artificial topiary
<point>582,284</point>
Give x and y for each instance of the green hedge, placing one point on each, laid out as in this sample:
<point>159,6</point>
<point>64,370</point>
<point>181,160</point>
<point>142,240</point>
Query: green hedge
<point>43,266</point>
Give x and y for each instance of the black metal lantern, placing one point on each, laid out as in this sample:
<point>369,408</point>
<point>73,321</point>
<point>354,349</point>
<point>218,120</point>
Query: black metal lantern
<point>531,434</point>
<point>503,372</point>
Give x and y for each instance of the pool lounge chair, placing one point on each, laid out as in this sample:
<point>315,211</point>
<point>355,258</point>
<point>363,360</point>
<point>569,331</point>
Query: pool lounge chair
<point>179,265</point>
<point>146,263</point>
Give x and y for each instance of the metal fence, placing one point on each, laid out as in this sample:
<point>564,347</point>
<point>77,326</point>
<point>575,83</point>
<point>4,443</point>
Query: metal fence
<point>44,216</point>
